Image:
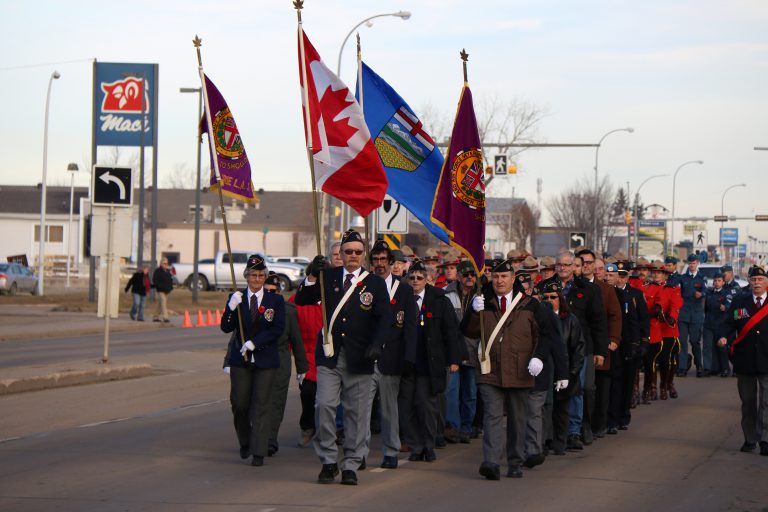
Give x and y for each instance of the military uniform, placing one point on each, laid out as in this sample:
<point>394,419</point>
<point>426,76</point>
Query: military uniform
<point>693,289</point>
<point>716,306</point>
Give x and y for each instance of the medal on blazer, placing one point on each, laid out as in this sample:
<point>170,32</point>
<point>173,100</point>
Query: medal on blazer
<point>740,314</point>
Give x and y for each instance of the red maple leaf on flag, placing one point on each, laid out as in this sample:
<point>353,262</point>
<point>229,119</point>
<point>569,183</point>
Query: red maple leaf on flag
<point>338,131</point>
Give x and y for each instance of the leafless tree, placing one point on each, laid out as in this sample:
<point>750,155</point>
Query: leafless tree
<point>182,176</point>
<point>582,208</point>
<point>519,224</point>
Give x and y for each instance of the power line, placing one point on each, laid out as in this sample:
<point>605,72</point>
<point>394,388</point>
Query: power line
<point>26,66</point>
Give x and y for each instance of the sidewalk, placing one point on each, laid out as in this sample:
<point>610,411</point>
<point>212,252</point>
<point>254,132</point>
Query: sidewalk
<point>27,322</point>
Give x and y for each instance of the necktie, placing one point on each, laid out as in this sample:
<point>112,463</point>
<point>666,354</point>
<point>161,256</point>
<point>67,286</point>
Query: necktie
<point>418,304</point>
<point>348,281</point>
<point>254,307</point>
<point>503,302</point>
<point>758,302</point>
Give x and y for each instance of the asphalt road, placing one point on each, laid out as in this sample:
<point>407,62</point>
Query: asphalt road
<point>121,344</point>
<point>166,443</point>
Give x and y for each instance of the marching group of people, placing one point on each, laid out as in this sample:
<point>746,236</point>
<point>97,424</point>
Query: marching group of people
<point>537,357</point>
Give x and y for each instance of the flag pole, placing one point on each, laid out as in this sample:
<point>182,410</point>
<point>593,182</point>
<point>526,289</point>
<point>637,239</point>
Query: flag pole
<point>198,42</point>
<point>368,237</point>
<point>483,358</point>
<point>299,5</point>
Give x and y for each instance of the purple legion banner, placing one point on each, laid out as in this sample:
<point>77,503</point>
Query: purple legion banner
<point>459,204</point>
<point>233,164</point>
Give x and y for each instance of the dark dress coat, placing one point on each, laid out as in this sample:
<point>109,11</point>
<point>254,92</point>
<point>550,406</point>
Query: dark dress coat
<point>401,343</point>
<point>264,332</point>
<point>439,335</point>
<point>750,355</point>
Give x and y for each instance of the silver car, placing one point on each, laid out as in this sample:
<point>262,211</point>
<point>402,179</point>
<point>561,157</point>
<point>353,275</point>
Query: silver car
<point>15,278</point>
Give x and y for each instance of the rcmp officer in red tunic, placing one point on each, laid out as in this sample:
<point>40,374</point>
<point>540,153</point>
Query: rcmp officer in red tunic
<point>745,332</point>
<point>357,311</point>
<point>253,363</point>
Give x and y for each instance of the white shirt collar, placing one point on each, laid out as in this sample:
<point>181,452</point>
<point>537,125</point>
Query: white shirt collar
<point>259,295</point>
<point>421,295</point>
<point>356,273</point>
<point>388,280</point>
<point>762,297</point>
<point>508,296</point>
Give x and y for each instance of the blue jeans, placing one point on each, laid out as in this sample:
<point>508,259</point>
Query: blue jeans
<point>137,310</point>
<point>576,405</point>
<point>461,399</point>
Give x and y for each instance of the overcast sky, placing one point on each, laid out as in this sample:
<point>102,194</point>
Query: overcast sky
<point>691,77</point>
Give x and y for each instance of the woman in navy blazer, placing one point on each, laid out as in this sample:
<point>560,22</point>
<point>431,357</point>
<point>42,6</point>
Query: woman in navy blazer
<point>253,358</point>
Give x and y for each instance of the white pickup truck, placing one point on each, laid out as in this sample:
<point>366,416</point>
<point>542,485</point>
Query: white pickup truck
<point>215,275</point>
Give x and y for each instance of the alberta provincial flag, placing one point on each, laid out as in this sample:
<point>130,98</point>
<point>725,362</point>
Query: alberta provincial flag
<point>459,203</point>
<point>410,156</point>
<point>345,159</point>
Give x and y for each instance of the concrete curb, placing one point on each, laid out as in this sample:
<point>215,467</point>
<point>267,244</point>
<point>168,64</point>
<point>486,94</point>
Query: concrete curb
<point>73,378</point>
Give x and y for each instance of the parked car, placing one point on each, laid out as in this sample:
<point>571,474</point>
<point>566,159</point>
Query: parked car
<point>15,278</point>
<point>215,274</point>
<point>301,260</point>
<point>710,269</point>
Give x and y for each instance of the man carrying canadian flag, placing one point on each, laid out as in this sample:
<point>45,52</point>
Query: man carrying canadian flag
<point>344,163</point>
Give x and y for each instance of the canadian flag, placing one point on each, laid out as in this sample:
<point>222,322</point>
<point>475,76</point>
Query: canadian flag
<point>347,165</point>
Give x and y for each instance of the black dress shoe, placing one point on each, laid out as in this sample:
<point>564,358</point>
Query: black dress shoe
<point>429,455</point>
<point>464,437</point>
<point>389,463</point>
<point>699,373</point>
<point>574,443</point>
<point>600,434</point>
<point>416,456</point>
<point>515,472</point>
<point>763,448</point>
<point>362,466</point>
<point>348,477</point>
<point>271,450</point>
<point>748,447</point>
<point>245,451</point>
<point>612,431</point>
<point>623,427</point>
<point>534,460</point>
<point>257,461</point>
<point>725,373</point>
<point>440,442</point>
<point>490,471</point>
<point>328,473</point>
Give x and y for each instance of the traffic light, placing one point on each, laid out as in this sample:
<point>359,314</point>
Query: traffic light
<point>512,169</point>
<point>336,211</point>
<point>628,216</point>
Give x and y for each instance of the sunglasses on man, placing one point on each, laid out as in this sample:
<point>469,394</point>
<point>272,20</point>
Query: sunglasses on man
<point>414,277</point>
<point>350,252</point>
<point>551,296</point>
<point>471,273</point>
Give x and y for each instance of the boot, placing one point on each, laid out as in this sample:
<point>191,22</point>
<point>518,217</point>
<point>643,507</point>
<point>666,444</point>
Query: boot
<point>671,383</point>
<point>648,387</point>
<point>654,393</point>
<point>663,384</point>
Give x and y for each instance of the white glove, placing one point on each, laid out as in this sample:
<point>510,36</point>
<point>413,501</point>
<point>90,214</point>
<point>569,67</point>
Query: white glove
<point>226,370</point>
<point>248,345</point>
<point>535,366</point>
<point>561,385</point>
<point>235,301</point>
<point>300,378</point>
<point>478,303</point>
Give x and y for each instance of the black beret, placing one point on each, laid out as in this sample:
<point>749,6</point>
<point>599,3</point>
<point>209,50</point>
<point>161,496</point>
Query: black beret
<point>551,286</point>
<point>397,255</point>
<point>671,259</point>
<point>351,236</point>
<point>726,268</point>
<point>417,266</point>
<point>273,280</point>
<point>757,271</point>
<point>255,262</point>
<point>464,266</point>
<point>503,266</point>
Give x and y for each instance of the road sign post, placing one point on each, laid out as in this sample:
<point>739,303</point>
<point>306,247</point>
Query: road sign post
<point>391,217</point>
<point>577,239</point>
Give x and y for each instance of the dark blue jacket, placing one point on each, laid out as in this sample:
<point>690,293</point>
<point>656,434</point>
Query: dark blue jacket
<point>362,321</point>
<point>264,332</point>
<point>713,317</point>
<point>693,308</point>
<point>401,342</point>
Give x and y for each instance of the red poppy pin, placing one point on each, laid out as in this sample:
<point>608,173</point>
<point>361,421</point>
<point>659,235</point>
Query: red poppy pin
<point>579,295</point>
<point>262,309</point>
<point>393,301</point>
<point>429,314</point>
<point>359,283</point>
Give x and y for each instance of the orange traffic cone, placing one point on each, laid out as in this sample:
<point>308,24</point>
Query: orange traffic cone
<point>218,317</point>
<point>209,318</point>
<point>187,321</point>
<point>200,319</point>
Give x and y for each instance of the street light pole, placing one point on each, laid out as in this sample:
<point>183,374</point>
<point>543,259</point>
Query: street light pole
<point>196,257</point>
<point>72,168</point>
<point>597,153</point>
<point>674,182</point>
<point>346,218</point>
<point>722,213</point>
<point>637,207</point>
<point>41,254</point>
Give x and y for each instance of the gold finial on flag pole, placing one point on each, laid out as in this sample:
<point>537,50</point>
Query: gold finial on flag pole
<point>464,59</point>
<point>298,5</point>
<point>198,43</point>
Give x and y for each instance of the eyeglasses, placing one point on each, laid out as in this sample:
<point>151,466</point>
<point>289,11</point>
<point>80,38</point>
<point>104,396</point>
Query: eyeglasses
<point>588,262</point>
<point>350,252</point>
<point>469,274</point>
<point>564,265</point>
<point>379,258</point>
<point>415,278</point>
<point>552,296</point>
<point>257,275</point>
<point>270,290</point>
